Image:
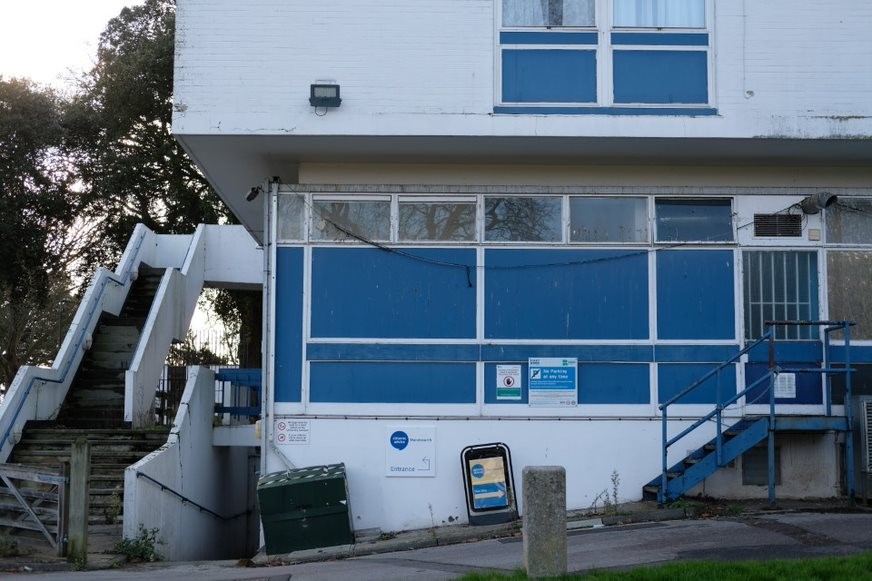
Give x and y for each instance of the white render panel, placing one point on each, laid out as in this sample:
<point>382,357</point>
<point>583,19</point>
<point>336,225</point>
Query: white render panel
<point>783,69</point>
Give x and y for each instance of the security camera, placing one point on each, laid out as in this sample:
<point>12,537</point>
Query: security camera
<point>253,193</point>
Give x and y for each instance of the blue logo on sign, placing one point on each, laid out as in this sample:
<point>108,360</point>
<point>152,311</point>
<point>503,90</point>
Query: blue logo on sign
<point>399,440</point>
<point>477,471</point>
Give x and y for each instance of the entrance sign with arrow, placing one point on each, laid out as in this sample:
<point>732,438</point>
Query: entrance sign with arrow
<point>410,451</point>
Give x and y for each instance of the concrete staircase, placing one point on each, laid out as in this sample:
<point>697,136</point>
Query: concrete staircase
<point>94,409</point>
<point>112,450</point>
<point>96,396</point>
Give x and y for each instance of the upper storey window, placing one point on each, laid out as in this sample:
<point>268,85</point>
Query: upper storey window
<point>605,57</point>
<point>659,13</point>
<point>549,13</point>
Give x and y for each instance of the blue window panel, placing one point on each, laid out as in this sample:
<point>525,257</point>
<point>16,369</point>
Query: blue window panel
<point>808,385</point>
<point>695,294</point>
<point>694,353</point>
<point>359,382</point>
<point>362,292</point>
<point>659,39</point>
<point>390,352</point>
<point>289,324</point>
<point>621,353</point>
<point>799,351</point>
<point>660,76</point>
<point>673,378</point>
<point>549,76</point>
<point>566,294</point>
<point>694,220</point>
<point>549,38</point>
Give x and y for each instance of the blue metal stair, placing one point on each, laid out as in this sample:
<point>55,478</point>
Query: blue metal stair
<point>730,443</point>
<point>703,462</point>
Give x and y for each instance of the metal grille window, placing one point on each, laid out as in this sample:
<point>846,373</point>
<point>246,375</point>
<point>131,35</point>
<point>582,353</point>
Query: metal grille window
<point>783,286</point>
<point>777,225</point>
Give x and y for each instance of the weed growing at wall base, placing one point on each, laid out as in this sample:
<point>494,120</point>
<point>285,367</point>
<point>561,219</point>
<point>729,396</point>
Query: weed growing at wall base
<point>142,547</point>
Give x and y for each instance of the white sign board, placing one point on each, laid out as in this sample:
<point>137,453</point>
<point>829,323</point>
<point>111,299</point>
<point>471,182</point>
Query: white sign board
<point>292,432</point>
<point>553,382</point>
<point>508,382</point>
<point>785,386</point>
<point>410,452</point>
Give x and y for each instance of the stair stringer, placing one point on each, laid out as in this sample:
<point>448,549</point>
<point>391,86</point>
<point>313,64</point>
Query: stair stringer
<point>37,393</point>
<point>753,433</point>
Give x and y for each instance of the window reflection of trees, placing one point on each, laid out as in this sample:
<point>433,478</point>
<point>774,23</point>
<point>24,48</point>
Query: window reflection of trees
<point>523,219</point>
<point>348,220</point>
<point>437,221</point>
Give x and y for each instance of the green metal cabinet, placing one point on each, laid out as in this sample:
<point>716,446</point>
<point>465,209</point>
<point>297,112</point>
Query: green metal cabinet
<point>305,508</point>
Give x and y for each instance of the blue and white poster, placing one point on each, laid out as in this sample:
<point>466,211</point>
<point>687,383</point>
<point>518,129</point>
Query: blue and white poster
<point>553,382</point>
<point>410,451</point>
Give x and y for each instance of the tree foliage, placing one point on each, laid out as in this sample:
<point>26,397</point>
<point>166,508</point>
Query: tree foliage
<point>132,169</point>
<point>37,233</point>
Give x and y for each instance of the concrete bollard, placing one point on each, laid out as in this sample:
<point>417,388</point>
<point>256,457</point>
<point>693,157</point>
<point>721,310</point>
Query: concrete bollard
<point>544,493</point>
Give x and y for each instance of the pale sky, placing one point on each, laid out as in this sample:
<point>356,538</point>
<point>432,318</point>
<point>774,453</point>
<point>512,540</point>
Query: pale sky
<point>46,39</point>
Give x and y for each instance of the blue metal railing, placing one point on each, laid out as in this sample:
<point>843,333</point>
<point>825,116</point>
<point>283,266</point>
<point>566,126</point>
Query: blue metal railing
<point>769,381</point>
<point>245,392</point>
<point>118,280</point>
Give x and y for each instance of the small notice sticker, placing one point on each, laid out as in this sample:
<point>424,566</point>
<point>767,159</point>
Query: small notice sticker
<point>292,432</point>
<point>508,382</point>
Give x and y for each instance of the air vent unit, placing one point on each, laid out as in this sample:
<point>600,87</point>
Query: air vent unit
<point>778,225</point>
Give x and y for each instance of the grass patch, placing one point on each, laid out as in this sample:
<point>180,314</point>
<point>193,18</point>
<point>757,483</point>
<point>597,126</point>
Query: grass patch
<point>856,568</point>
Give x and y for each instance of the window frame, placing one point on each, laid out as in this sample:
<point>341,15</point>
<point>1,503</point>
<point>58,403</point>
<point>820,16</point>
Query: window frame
<point>655,224</point>
<point>604,51</point>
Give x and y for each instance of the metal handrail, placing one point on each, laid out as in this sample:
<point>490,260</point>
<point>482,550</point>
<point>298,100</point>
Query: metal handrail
<point>185,499</point>
<point>717,369</point>
<point>769,379</point>
<point>119,280</point>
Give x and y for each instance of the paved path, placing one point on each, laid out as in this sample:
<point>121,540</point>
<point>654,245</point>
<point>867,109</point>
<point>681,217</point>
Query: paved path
<point>767,536</point>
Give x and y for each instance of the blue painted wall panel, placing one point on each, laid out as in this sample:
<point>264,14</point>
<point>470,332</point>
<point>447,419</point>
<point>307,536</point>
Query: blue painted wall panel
<point>660,76</point>
<point>549,37</point>
<point>363,292</point>
<point>289,324</point>
<point>694,353</point>
<point>566,294</point>
<point>859,354</point>
<point>673,378</point>
<point>695,298</point>
<point>659,39</point>
<point>793,351</point>
<point>360,382</point>
<point>549,76</point>
<point>605,384</point>
<point>390,352</point>
<point>808,385</point>
<point>599,353</point>
<point>597,384</point>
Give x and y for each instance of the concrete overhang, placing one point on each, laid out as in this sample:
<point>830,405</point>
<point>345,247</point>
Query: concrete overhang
<point>234,164</point>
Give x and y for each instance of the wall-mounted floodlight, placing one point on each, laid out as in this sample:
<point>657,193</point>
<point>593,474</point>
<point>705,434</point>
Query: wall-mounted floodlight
<point>816,202</point>
<point>324,95</point>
